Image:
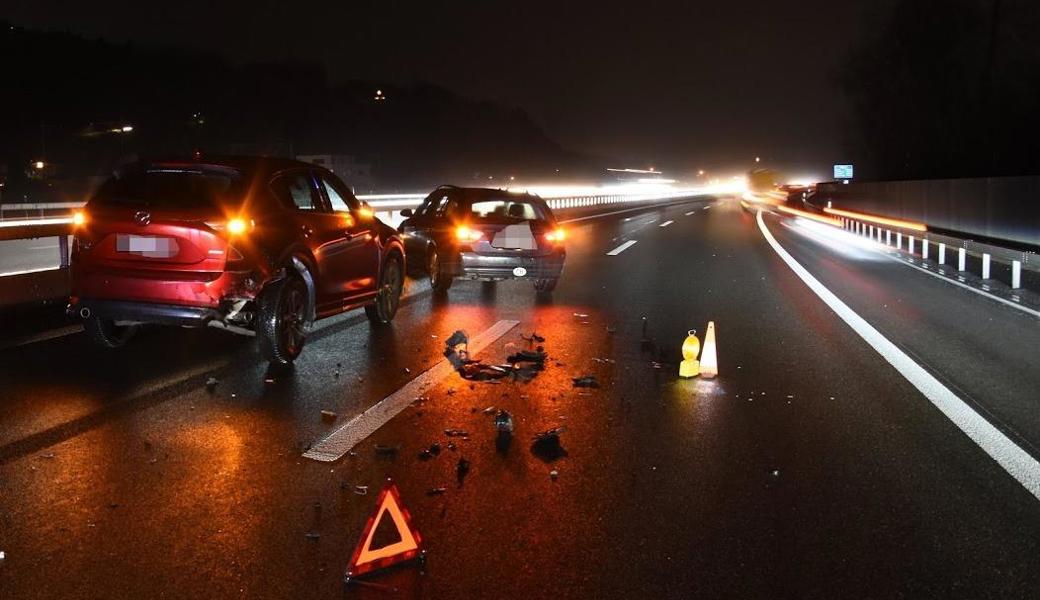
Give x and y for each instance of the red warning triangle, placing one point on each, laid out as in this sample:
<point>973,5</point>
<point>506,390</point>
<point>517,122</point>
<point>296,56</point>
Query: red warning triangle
<point>409,546</point>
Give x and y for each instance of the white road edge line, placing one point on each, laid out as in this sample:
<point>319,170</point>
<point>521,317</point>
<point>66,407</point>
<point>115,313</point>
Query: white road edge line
<point>666,223</point>
<point>342,440</point>
<point>1013,459</point>
<point>621,248</point>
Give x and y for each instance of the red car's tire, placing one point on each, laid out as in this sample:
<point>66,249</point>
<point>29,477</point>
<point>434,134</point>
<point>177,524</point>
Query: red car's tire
<point>107,334</point>
<point>281,317</point>
<point>391,284</point>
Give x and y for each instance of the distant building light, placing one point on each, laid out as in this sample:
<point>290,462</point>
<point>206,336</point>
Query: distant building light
<point>127,128</point>
<point>39,165</point>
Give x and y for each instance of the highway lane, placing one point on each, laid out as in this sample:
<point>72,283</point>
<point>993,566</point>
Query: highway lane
<point>809,468</point>
<point>976,345</point>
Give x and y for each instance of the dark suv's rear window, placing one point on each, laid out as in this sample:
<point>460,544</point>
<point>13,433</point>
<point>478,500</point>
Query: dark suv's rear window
<point>172,188</point>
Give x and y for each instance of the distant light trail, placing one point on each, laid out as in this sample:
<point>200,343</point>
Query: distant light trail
<point>878,219</point>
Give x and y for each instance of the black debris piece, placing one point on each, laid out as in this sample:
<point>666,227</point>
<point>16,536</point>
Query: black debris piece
<point>313,536</point>
<point>425,455</point>
<point>382,450</point>
<point>211,384</point>
<point>535,356</point>
<point>456,432</point>
<point>586,381</point>
<point>435,448</point>
<point>452,446</point>
<point>437,491</point>
<point>547,446</point>
<point>461,470</point>
<point>535,338</point>
<point>504,422</point>
<point>456,349</point>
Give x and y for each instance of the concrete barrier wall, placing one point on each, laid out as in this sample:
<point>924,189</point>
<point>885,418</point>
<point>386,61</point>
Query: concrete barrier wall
<point>1003,208</point>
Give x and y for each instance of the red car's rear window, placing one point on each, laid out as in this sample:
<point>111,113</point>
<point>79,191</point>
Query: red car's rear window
<point>175,188</point>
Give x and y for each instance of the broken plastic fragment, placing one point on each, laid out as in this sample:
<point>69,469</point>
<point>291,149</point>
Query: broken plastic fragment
<point>504,422</point>
<point>328,415</point>
<point>361,490</point>
<point>546,445</point>
<point>462,469</point>
<point>586,381</point>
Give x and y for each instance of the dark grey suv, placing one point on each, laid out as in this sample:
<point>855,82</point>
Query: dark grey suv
<point>484,234</point>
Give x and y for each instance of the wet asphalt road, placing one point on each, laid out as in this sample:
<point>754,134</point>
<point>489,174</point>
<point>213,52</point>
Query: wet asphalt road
<point>809,469</point>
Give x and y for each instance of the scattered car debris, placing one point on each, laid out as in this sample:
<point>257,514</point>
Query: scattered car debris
<point>546,445</point>
<point>328,415</point>
<point>211,384</point>
<point>456,432</point>
<point>3,555</point>
<point>382,450</point>
<point>462,469</point>
<point>269,380</point>
<point>504,422</point>
<point>581,315</point>
<point>425,455</point>
<point>361,490</point>
<point>534,337</point>
<point>611,329</point>
<point>489,410</point>
<point>604,360</point>
<point>437,491</point>
<point>554,474</point>
<point>48,455</point>
<point>655,365</point>
<point>585,381</point>
<point>312,536</point>
<point>452,446</point>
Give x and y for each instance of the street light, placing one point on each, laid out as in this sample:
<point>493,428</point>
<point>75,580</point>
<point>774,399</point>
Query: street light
<point>757,159</point>
<point>39,165</point>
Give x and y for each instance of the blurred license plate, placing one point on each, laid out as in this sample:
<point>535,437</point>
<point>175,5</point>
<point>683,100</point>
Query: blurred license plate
<point>152,247</point>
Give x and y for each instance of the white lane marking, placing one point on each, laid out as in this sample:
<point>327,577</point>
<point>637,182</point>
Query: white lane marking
<point>706,207</point>
<point>621,248</point>
<point>692,212</point>
<point>342,440</point>
<point>666,223</point>
<point>1016,461</point>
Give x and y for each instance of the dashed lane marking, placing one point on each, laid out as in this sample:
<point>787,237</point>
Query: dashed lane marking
<point>666,223</point>
<point>342,440</point>
<point>621,248</point>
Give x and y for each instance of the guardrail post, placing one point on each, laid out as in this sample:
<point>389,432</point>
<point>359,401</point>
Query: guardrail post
<point>924,248</point>
<point>985,266</point>
<point>899,240</point>
<point>1016,274</point>
<point>961,258</point>
<point>942,253</point>
<point>63,250</point>
<point>910,243</point>
<point>888,237</point>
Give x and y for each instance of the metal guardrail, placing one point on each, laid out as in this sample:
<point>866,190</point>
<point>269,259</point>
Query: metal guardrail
<point>934,246</point>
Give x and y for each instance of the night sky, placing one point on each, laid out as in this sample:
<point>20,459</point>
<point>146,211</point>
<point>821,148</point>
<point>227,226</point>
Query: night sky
<point>676,84</point>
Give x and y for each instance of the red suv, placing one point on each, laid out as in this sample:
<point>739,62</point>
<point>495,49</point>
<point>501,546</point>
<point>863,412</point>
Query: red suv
<point>253,245</point>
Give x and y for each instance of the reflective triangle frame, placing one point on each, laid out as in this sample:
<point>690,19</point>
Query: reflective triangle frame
<point>366,560</point>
